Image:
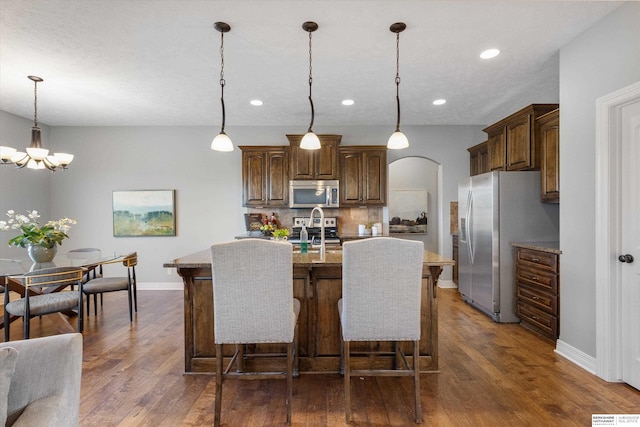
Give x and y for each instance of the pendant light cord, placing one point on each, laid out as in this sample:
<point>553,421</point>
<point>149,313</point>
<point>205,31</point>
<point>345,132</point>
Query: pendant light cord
<point>310,83</point>
<point>222,81</point>
<point>398,79</point>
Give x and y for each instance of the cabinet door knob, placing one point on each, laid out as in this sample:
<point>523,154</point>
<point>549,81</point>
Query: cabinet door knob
<point>626,258</point>
<point>534,278</point>
<point>535,259</point>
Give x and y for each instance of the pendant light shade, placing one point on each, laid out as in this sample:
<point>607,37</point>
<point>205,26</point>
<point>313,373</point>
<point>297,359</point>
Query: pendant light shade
<point>222,142</point>
<point>310,140</point>
<point>397,140</point>
<point>35,156</point>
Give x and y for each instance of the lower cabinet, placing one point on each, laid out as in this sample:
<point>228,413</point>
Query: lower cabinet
<point>538,290</point>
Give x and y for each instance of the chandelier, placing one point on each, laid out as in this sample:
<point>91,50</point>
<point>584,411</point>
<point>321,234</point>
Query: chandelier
<point>35,157</point>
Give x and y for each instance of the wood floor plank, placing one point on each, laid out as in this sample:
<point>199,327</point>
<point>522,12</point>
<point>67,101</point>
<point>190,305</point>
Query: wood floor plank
<point>490,375</point>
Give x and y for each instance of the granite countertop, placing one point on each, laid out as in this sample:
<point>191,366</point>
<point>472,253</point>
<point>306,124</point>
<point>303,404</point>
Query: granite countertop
<point>333,258</point>
<point>551,247</point>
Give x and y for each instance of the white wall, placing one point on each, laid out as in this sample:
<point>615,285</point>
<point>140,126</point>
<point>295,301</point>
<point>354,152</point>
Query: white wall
<point>601,60</point>
<point>208,184</point>
<point>31,191</point>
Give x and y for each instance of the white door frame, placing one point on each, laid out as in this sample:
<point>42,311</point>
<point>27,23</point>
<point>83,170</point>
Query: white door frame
<point>608,230</point>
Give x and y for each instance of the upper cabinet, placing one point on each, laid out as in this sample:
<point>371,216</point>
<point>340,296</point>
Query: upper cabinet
<point>315,164</point>
<point>479,159</point>
<point>363,176</point>
<point>265,176</point>
<point>513,142</point>
<point>549,125</point>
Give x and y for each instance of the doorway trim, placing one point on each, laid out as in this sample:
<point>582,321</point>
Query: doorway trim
<point>608,230</point>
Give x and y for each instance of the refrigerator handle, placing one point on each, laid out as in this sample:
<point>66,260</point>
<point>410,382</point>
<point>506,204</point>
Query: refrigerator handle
<point>469,235</point>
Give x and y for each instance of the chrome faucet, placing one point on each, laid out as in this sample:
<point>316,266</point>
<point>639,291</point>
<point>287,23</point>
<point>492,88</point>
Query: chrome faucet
<point>322,244</point>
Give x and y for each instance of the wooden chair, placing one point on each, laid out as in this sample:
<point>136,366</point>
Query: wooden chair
<point>45,302</point>
<point>381,295</point>
<point>253,303</point>
<point>128,283</point>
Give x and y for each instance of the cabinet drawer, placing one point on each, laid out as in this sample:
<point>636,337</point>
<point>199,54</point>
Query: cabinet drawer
<point>544,260</point>
<point>534,297</point>
<point>536,278</point>
<point>547,323</point>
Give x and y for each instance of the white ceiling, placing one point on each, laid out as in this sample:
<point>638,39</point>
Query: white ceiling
<point>157,62</point>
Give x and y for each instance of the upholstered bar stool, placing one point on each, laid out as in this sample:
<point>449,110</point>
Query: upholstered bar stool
<point>253,303</point>
<point>381,293</point>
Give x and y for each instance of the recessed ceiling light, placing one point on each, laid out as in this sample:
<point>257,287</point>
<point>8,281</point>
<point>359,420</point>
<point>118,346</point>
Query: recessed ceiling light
<point>490,53</point>
<point>439,101</point>
<point>348,102</point>
<point>256,102</point>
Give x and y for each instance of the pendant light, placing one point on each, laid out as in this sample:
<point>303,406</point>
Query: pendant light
<point>222,142</point>
<point>398,139</point>
<point>35,157</point>
<point>310,140</point>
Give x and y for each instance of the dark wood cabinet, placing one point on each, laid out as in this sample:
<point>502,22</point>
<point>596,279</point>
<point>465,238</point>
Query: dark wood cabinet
<point>363,176</point>
<point>549,126</point>
<point>513,142</point>
<point>315,164</point>
<point>538,291</point>
<point>479,159</point>
<point>265,176</point>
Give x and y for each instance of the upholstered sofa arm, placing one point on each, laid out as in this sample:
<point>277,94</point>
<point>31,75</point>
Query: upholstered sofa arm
<point>45,387</point>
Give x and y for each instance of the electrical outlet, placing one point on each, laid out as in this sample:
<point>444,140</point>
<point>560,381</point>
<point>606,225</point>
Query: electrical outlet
<point>169,273</point>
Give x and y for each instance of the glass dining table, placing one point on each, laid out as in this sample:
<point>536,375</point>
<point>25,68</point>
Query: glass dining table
<point>12,269</point>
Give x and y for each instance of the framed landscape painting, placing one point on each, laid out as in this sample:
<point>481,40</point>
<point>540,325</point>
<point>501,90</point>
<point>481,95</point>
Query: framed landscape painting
<point>144,213</point>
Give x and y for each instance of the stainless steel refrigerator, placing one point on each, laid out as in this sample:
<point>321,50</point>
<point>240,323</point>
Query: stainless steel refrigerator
<point>496,209</point>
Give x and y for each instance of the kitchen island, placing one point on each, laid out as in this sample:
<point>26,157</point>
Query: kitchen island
<point>318,285</point>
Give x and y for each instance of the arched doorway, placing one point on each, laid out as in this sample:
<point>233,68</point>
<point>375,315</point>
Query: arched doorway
<point>415,182</point>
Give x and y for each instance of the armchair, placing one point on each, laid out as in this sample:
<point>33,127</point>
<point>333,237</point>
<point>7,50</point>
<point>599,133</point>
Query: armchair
<point>45,386</point>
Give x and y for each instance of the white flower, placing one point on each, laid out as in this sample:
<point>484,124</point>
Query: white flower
<point>4,226</point>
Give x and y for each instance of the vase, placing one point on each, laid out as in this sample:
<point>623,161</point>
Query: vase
<point>41,254</point>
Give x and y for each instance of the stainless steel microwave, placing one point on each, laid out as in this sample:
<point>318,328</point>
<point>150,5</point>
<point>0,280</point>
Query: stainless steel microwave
<point>314,193</point>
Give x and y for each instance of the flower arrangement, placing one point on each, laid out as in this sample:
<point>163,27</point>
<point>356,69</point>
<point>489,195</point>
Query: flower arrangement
<point>47,236</point>
<point>267,229</point>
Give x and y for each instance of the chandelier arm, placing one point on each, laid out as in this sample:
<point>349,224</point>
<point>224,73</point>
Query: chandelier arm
<point>47,164</point>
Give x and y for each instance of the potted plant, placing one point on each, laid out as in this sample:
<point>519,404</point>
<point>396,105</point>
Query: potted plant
<point>41,242</point>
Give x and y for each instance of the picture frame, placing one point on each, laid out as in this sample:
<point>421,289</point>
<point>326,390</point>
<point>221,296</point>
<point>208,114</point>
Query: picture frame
<point>144,213</point>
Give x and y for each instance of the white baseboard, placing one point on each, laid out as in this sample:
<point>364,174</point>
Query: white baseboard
<point>447,284</point>
<point>576,356</point>
<point>161,286</point>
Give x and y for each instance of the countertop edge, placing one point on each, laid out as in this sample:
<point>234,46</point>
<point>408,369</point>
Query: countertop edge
<point>550,247</point>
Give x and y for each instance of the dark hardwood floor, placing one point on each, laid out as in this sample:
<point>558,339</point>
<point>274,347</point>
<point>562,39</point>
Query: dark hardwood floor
<point>490,375</point>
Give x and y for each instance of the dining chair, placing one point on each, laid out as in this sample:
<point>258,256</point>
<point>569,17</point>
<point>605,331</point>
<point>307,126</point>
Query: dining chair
<point>381,295</point>
<point>46,300</point>
<point>128,283</point>
<point>94,271</point>
<point>253,303</point>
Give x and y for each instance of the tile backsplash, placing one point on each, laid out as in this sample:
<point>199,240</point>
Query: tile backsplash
<point>348,218</point>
